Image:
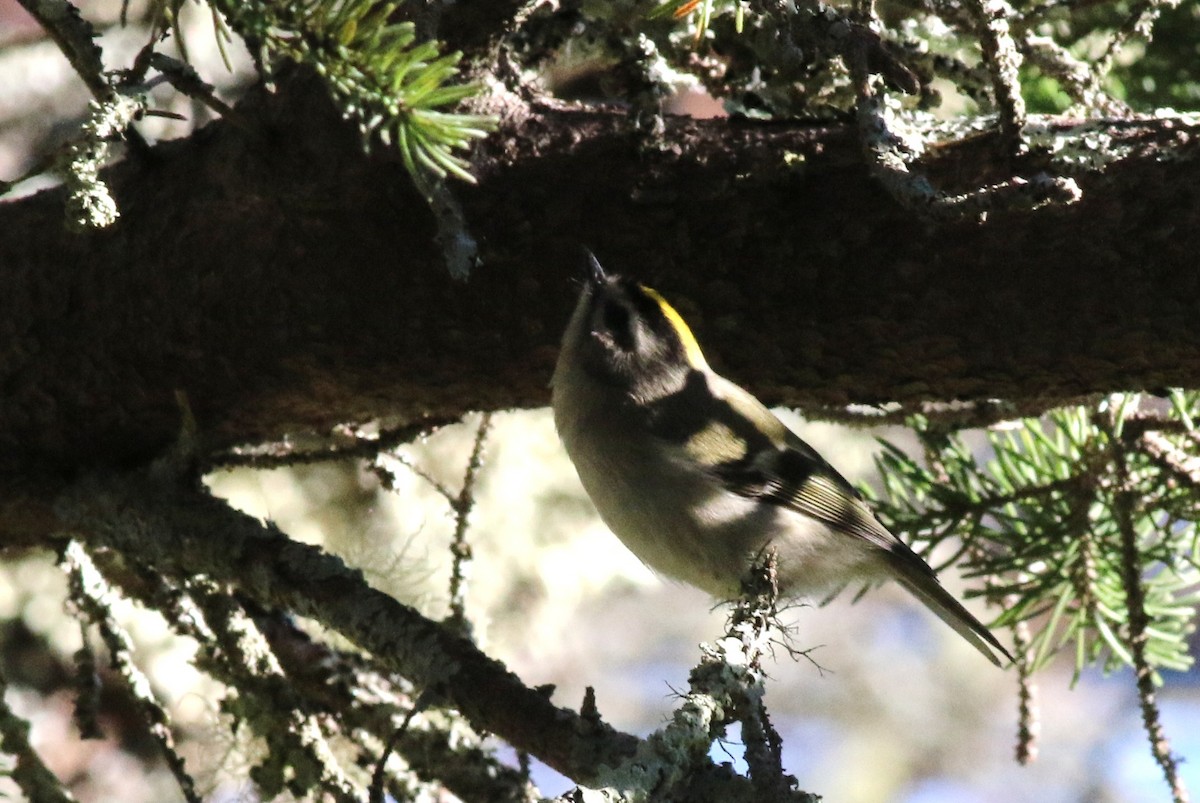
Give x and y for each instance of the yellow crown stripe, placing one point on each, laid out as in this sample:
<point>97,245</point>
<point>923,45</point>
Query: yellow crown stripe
<point>690,347</point>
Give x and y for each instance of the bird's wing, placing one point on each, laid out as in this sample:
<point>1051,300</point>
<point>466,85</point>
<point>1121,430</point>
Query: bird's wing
<point>790,473</point>
<point>795,476</point>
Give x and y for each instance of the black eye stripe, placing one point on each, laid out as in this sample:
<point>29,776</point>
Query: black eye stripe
<point>616,316</point>
<point>618,324</point>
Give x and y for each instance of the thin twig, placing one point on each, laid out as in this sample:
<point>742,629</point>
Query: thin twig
<point>89,592</point>
<point>1176,461</point>
<point>380,774</point>
<point>287,453</point>
<point>1080,80</point>
<point>460,548</point>
<point>754,616</point>
<point>1029,726</point>
<point>87,688</point>
<point>184,77</point>
<point>293,733</point>
<point>461,504</point>
<point>1139,22</point>
<point>962,508</point>
<point>1124,503</point>
<point>1004,62</point>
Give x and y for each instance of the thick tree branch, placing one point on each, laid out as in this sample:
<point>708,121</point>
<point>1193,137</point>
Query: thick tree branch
<point>184,534</point>
<point>285,282</point>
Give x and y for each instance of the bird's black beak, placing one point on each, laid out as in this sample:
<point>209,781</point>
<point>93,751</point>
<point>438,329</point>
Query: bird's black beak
<point>595,273</point>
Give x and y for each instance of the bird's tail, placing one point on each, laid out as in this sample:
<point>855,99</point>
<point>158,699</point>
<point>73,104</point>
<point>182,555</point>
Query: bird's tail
<point>924,586</point>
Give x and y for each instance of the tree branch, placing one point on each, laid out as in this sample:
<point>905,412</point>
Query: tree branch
<point>184,534</point>
<point>288,283</point>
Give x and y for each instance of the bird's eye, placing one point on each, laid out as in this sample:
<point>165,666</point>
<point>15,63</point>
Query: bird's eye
<point>616,318</point>
<point>618,324</point>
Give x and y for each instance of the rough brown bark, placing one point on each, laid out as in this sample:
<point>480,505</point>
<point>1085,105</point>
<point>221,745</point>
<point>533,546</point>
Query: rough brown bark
<point>284,281</point>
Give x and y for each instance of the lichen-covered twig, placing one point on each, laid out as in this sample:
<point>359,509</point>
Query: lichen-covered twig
<point>89,594</point>
<point>1029,726</point>
<point>87,688</point>
<point>1183,465</point>
<point>344,444</point>
<point>1124,502</point>
<point>234,651</point>
<point>725,687</point>
<point>301,758</point>
<point>367,703</point>
<point>890,156</point>
<point>89,203</point>
<point>1139,22</point>
<point>345,686</point>
<point>753,621</point>
<point>1004,62</point>
<point>1078,79</point>
<point>74,36</point>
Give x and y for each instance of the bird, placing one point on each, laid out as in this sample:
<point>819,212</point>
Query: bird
<point>698,478</point>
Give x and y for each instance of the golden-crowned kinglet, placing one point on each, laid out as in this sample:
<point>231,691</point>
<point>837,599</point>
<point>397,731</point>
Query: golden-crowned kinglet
<point>698,478</point>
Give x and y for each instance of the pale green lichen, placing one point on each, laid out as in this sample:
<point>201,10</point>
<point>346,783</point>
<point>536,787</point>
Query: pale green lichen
<point>667,757</point>
<point>90,204</point>
<point>1085,148</point>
